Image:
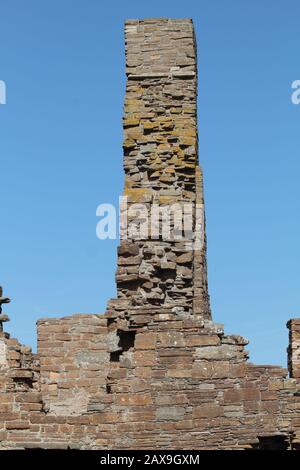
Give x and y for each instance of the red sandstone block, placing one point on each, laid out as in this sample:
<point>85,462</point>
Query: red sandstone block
<point>17,425</point>
<point>137,386</point>
<point>14,355</point>
<point>70,367</point>
<point>142,319</point>
<point>29,397</point>
<point>268,395</point>
<point>97,381</point>
<point>170,325</point>
<point>5,407</point>
<point>171,339</point>
<point>139,416</point>
<point>202,340</point>
<point>54,328</point>
<point>129,399</point>
<point>179,373</point>
<point>145,358</point>
<point>9,416</point>
<point>158,374</point>
<point>20,373</point>
<point>70,384</point>
<point>6,398</point>
<point>50,389</point>
<point>120,373</point>
<point>35,428</point>
<point>221,369</point>
<point>100,418</point>
<point>65,428</point>
<point>251,406</point>
<point>171,399</point>
<point>64,337</point>
<point>102,443</point>
<point>207,410</point>
<point>145,341</point>
<point>31,406</point>
<point>185,425</point>
<point>13,342</point>
<point>232,396</point>
<point>270,406</point>
<point>202,370</point>
<point>46,361</point>
<point>79,420</point>
<point>250,394</point>
<point>237,370</point>
<point>143,372</point>
<point>275,384</point>
<point>167,360</point>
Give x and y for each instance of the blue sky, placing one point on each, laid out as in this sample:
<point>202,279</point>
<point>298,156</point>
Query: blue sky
<point>61,156</point>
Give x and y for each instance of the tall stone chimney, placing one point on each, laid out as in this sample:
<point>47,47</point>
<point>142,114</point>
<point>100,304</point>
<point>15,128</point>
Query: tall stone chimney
<point>162,174</point>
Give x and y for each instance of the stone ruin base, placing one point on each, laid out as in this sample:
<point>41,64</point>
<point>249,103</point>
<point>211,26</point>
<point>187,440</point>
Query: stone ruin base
<point>144,379</point>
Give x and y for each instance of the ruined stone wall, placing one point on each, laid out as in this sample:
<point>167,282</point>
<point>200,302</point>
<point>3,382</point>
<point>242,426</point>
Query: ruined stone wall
<point>153,372</point>
<point>176,383</point>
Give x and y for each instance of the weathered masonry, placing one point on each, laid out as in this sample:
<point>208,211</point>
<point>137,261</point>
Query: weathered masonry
<point>154,371</point>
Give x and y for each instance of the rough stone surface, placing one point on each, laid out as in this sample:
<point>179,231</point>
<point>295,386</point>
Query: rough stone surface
<point>153,372</point>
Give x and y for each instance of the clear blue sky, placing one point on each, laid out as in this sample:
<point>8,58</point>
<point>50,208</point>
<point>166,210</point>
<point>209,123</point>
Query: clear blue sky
<point>61,156</point>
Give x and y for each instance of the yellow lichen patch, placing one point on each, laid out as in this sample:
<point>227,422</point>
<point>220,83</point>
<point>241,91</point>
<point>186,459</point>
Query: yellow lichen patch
<point>166,124</point>
<point>175,110</point>
<point>187,141</point>
<point>128,185</point>
<point>156,166</point>
<point>150,126</point>
<point>190,132</point>
<point>163,119</point>
<point>148,115</point>
<point>155,160</point>
<point>138,194</point>
<point>131,122</point>
<point>136,91</point>
<point>132,102</point>
<point>187,165</point>
<point>189,109</point>
<point>164,147</point>
<point>128,143</point>
<point>133,106</point>
<point>155,138</point>
<point>133,134</point>
<point>189,195</point>
<point>168,199</point>
<point>170,169</point>
<point>184,132</point>
<point>175,160</point>
<point>155,174</point>
<point>166,177</point>
<point>180,153</point>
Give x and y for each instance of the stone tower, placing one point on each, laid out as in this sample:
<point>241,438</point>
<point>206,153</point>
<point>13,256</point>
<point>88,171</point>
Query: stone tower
<point>162,173</point>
